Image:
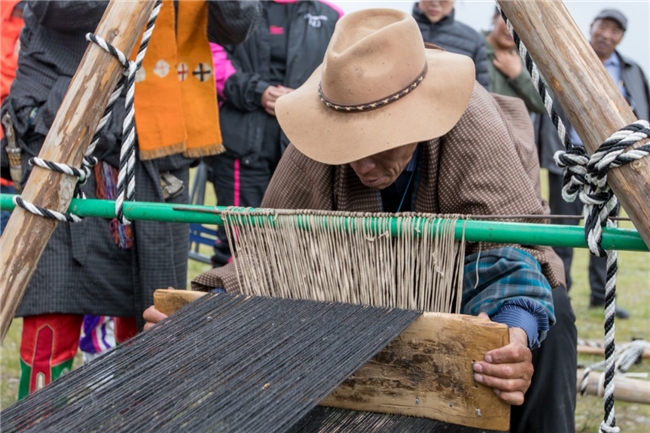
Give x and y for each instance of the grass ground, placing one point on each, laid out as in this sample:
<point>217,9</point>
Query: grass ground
<point>633,294</point>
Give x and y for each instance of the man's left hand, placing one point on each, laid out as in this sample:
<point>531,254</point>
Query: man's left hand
<point>509,369</point>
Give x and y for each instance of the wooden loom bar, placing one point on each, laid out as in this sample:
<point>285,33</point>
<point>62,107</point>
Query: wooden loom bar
<point>425,372</point>
<point>585,91</point>
<point>26,235</point>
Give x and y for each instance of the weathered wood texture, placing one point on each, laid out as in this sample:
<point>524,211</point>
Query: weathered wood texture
<point>626,389</point>
<point>585,91</point>
<point>26,235</point>
<point>168,301</point>
<point>425,372</point>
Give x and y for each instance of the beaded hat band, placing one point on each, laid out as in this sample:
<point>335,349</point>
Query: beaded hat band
<point>375,104</point>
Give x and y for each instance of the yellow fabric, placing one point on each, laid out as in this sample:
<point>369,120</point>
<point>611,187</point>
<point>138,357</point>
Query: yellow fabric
<point>175,95</point>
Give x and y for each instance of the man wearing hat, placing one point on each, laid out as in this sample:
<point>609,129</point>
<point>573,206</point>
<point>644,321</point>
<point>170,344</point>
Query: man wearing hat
<point>385,125</point>
<point>606,33</point>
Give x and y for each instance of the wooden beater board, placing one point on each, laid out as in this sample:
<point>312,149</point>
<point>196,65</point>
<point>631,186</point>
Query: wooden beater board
<point>425,372</point>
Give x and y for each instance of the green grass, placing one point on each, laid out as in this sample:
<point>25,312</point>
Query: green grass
<point>633,294</point>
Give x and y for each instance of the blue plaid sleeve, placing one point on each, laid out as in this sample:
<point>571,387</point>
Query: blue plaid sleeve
<point>508,284</point>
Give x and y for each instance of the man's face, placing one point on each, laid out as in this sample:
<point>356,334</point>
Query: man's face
<point>435,10</point>
<point>605,36</point>
<point>501,34</point>
<point>379,171</point>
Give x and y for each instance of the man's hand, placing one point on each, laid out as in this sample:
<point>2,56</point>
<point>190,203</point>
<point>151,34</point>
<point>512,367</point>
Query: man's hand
<point>508,370</point>
<point>270,95</point>
<point>508,63</point>
<point>152,316</point>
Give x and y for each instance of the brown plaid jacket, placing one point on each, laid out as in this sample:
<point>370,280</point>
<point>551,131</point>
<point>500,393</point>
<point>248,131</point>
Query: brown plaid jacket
<point>486,165</point>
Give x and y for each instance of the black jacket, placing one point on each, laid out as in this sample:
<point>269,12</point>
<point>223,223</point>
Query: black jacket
<point>52,45</point>
<point>636,84</point>
<point>455,37</point>
<point>242,117</point>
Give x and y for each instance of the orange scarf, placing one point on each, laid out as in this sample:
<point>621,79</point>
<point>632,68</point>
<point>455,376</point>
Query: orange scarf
<point>175,95</point>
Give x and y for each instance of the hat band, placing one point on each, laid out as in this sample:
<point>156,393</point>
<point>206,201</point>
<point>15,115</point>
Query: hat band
<point>375,104</point>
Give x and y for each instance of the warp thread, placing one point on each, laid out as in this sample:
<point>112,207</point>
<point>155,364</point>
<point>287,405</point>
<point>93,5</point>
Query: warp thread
<point>348,257</point>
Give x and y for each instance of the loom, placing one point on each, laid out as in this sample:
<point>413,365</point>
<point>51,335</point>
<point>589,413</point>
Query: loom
<point>54,191</point>
<point>255,364</point>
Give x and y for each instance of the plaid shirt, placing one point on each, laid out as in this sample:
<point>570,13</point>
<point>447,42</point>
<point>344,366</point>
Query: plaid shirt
<point>508,284</point>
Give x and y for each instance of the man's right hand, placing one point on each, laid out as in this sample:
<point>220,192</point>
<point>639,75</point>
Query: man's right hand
<point>152,316</point>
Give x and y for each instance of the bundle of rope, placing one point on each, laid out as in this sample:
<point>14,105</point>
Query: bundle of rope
<point>586,177</point>
<point>348,257</point>
<point>229,363</point>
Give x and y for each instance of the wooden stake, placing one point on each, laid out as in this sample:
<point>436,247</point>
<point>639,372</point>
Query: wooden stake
<point>626,389</point>
<point>26,235</point>
<point>585,91</point>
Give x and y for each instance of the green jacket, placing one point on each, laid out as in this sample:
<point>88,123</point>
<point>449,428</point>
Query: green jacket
<point>521,87</point>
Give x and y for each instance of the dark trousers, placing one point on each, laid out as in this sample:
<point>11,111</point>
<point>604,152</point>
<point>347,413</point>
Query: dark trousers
<point>550,402</point>
<point>597,265</point>
<point>238,182</point>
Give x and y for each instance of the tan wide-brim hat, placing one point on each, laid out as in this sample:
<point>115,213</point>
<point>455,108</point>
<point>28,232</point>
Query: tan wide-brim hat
<point>378,88</point>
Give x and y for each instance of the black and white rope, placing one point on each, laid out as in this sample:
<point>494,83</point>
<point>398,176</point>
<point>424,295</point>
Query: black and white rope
<point>127,153</point>
<point>47,213</point>
<point>587,178</point>
<point>126,176</point>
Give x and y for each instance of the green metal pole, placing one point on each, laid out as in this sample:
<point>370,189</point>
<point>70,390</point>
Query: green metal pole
<point>475,231</point>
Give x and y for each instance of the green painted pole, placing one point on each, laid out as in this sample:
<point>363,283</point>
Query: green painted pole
<point>475,231</point>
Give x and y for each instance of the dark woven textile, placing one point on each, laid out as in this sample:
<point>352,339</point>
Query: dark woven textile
<point>226,363</point>
<point>329,420</point>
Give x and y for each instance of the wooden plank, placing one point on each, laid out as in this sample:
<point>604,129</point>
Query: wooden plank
<point>26,235</point>
<point>625,389</point>
<point>585,91</point>
<point>168,301</point>
<point>425,372</point>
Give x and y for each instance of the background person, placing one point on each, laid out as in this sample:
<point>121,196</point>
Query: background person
<point>286,47</point>
<point>100,266</point>
<point>438,26</point>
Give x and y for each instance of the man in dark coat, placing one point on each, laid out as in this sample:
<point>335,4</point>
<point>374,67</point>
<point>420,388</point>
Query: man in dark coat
<point>97,266</point>
<point>606,33</point>
<point>438,25</point>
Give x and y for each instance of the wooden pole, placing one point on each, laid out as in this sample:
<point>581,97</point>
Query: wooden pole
<point>26,235</point>
<point>590,350</point>
<point>585,91</point>
<point>626,389</point>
